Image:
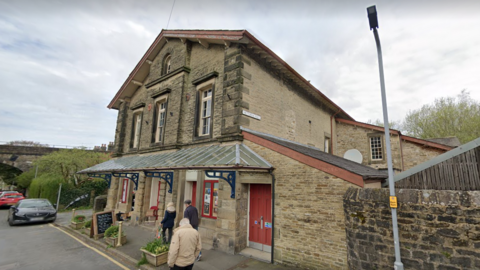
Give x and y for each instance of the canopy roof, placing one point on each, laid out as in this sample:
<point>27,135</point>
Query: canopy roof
<point>214,157</point>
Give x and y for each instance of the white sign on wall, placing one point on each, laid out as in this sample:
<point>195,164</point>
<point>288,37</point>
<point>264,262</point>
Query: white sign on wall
<point>252,115</point>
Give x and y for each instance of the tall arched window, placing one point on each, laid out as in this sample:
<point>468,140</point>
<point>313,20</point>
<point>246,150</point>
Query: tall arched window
<point>167,64</point>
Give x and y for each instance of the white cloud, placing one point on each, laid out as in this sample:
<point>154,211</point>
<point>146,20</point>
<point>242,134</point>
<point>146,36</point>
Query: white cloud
<point>62,62</point>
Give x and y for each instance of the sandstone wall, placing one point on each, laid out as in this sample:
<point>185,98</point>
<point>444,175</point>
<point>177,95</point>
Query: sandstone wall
<point>309,221</point>
<point>439,230</point>
<point>286,109</point>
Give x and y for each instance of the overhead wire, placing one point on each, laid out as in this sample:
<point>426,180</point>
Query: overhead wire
<point>170,14</point>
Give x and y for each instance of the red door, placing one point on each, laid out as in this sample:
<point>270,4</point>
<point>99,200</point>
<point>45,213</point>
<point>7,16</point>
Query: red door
<point>194,193</point>
<point>260,224</point>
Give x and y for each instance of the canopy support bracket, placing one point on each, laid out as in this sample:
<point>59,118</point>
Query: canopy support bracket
<point>228,176</point>
<point>131,176</point>
<point>167,176</point>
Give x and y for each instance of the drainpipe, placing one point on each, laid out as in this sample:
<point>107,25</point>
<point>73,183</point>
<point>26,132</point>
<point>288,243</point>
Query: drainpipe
<point>401,150</point>
<point>273,216</point>
<point>331,130</point>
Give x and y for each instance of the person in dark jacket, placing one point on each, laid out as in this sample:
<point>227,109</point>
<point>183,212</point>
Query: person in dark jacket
<point>192,214</point>
<point>168,221</point>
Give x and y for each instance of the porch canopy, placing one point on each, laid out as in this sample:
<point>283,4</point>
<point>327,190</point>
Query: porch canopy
<point>218,161</point>
<point>207,157</point>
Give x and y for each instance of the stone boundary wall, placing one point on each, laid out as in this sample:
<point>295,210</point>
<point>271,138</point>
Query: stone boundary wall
<point>439,229</point>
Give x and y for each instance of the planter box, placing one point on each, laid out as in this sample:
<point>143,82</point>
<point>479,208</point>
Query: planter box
<point>113,241</point>
<point>155,260</point>
<point>76,226</point>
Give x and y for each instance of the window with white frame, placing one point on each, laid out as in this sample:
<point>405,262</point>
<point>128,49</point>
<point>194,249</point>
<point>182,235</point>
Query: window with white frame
<point>137,126</point>
<point>205,111</point>
<point>376,148</point>
<point>161,107</point>
<point>167,64</point>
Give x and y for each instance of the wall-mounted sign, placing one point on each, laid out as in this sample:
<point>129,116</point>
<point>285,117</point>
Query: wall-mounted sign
<point>268,225</point>
<point>252,115</point>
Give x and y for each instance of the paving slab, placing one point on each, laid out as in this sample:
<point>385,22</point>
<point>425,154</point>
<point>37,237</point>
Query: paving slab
<point>138,236</point>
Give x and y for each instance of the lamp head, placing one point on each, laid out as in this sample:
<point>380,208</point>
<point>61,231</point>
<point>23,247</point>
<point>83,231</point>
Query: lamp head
<point>372,17</point>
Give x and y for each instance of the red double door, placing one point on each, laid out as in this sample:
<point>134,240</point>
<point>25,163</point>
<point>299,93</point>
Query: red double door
<point>260,223</point>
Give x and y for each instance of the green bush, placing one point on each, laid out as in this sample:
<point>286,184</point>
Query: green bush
<point>88,224</point>
<point>156,246</point>
<point>112,232</point>
<point>78,218</point>
<point>45,186</point>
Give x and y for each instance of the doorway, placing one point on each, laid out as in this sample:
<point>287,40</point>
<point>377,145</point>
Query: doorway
<point>260,217</point>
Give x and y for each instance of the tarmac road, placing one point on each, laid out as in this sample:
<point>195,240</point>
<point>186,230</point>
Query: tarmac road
<point>44,246</point>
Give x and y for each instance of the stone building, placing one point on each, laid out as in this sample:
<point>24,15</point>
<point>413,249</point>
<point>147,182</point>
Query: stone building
<point>369,140</point>
<point>218,118</point>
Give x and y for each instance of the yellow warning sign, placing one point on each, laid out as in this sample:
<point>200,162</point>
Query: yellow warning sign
<point>393,202</point>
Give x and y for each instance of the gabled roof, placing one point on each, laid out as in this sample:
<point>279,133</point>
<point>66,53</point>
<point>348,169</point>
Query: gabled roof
<point>237,156</point>
<point>315,157</point>
<point>397,132</point>
<point>206,37</point>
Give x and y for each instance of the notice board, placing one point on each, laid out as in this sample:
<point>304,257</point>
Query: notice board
<point>101,221</point>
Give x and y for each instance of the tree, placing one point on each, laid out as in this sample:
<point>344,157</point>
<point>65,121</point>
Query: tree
<point>446,117</point>
<point>8,173</point>
<point>397,125</point>
<point>27,143</point>
<point>67,162</point>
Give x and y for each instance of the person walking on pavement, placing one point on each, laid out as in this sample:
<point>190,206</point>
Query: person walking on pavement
<point>185,247</point>
<point>168,221</point>
<point>192,214</point>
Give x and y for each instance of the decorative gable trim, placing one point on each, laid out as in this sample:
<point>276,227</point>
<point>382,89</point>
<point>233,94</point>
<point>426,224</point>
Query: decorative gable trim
<point>204,78</point>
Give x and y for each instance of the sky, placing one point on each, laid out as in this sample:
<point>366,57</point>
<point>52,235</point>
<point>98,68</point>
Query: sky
<point>62,62</point>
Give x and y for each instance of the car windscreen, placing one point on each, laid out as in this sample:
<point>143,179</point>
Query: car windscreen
<point>33,204</point>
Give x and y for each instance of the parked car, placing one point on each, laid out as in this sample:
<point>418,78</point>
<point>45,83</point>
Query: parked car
<point>9,192</point>
<point>10,199</point>
<point>31,211</point>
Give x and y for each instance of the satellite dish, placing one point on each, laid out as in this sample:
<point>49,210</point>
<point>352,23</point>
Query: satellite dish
<point>353,155</point>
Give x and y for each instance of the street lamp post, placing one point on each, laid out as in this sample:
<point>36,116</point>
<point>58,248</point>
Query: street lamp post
<point>373,21</point>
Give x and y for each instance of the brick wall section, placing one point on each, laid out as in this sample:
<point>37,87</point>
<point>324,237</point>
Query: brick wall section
<point>356,137</point>
<point>203,61</point>
<point>309,221</point>
<point>438,230</point>
<point>286,109</point>
<point>414,154</point>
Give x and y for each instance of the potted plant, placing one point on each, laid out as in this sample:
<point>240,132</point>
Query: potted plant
<point>87,226</point>
<point>77,222</point>
<point>111,236</point>
<point>156,252</point>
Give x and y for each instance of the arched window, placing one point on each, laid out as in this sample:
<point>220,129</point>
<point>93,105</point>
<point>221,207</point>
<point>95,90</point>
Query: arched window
<point>167,64</point>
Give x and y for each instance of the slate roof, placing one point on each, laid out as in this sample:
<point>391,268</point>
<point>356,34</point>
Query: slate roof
<point>450,141</point>
<point>365,171</point>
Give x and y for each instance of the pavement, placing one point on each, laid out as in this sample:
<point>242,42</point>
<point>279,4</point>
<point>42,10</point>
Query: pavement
<point>138,236</point>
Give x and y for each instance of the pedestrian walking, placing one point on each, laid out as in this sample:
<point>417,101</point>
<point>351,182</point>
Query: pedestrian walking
<point>185,247</point>
<point>168,221</point>
<point>192,214</point>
